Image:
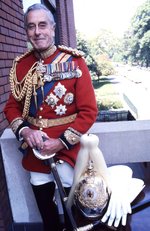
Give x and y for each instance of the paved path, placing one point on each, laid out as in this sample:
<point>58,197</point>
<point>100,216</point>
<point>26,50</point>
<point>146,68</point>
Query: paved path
<point>134,88</point>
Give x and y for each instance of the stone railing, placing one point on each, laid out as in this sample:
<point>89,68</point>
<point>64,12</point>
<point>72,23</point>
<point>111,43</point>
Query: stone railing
<point>125,141</point>
<point>120,142</point>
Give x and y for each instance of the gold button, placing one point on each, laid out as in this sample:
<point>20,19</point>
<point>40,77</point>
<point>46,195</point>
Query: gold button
<point>40,129</point>
<point>41,108</point>
<point>40,117</point>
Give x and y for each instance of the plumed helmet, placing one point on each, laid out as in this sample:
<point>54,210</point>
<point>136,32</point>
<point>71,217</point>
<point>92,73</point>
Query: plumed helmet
<point>91,195</point>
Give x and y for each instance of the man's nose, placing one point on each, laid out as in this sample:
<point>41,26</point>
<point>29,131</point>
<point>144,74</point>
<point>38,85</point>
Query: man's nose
<point>37,30</point>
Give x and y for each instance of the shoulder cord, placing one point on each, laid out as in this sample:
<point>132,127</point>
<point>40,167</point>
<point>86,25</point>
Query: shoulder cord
<point>22,89</point>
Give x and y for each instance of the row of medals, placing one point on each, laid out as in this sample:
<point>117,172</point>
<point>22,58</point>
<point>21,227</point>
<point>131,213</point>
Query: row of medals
<point>58,71</point>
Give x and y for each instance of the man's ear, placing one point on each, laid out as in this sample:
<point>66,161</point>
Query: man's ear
<point>54,26</point>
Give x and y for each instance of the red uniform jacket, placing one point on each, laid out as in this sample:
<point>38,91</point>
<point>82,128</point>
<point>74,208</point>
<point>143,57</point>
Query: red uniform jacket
<point>83,103</point>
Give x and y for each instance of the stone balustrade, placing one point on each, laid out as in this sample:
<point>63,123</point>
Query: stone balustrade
<point>120,142</point>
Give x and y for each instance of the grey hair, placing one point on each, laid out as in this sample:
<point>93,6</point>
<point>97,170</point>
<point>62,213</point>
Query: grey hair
<point>39,6</point>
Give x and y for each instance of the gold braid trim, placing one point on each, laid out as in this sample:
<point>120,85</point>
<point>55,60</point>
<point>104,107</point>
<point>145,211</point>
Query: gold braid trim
<point>70,50</point>
<point>23,89</point>
<point>16,123</point>
<point>72,136</point>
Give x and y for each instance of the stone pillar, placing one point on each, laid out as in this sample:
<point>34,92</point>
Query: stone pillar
<point>65,23</point>
<point>22,204</point>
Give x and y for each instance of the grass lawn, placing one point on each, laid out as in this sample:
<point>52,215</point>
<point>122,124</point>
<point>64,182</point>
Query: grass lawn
<point>106,95</point>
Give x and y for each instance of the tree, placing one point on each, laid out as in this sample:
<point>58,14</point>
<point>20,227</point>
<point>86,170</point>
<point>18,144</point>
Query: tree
<point>98,52</point>
<point>106,43</point>
<point>92,64</point>
<point>139,40</point>
<point>82,44</point>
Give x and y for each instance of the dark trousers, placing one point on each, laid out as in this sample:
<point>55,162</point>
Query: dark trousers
<point>44,195</point>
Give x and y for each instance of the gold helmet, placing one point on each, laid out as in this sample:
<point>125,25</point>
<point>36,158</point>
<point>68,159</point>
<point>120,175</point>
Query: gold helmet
<point>90,189</point>
<point>91,195</point>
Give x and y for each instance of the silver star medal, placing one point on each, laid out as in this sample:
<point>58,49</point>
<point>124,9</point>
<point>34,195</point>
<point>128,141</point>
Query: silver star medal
<point>51,100</point>
<point>61,109</point>
<point>60,90</point>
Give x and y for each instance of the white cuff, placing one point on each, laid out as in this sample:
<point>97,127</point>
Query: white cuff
<point>20,137</point>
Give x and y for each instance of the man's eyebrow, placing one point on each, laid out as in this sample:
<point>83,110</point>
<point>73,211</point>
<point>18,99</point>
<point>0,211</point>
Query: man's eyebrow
<point>30,23</point>
<point>42,22</point>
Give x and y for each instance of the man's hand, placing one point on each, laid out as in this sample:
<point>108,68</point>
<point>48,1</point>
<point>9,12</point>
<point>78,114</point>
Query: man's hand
<point>39,140</point>
<point>51,146</point>
<point>34,138</point>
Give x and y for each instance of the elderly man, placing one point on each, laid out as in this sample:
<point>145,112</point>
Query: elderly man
<point>52,103</point>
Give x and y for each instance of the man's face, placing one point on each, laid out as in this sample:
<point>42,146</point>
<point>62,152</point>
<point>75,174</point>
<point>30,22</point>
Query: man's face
<point>39,30</point>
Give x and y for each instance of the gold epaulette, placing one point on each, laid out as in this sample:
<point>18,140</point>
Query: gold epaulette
<point>70,50</point>
<point>18,58</point>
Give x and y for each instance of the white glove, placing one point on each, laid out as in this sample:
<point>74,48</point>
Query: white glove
<point>119,204</point>
<point>118,208</point>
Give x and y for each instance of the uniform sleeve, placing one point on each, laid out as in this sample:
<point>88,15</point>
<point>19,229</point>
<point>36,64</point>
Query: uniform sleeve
<point>86,108</point>
<point>13,112</point>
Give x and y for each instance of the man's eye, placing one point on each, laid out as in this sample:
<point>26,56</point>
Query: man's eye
<point>31,27</point>
<point>42,25</point>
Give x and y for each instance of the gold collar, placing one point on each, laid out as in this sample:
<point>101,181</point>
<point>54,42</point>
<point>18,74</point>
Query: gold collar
<point>46,53</point>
